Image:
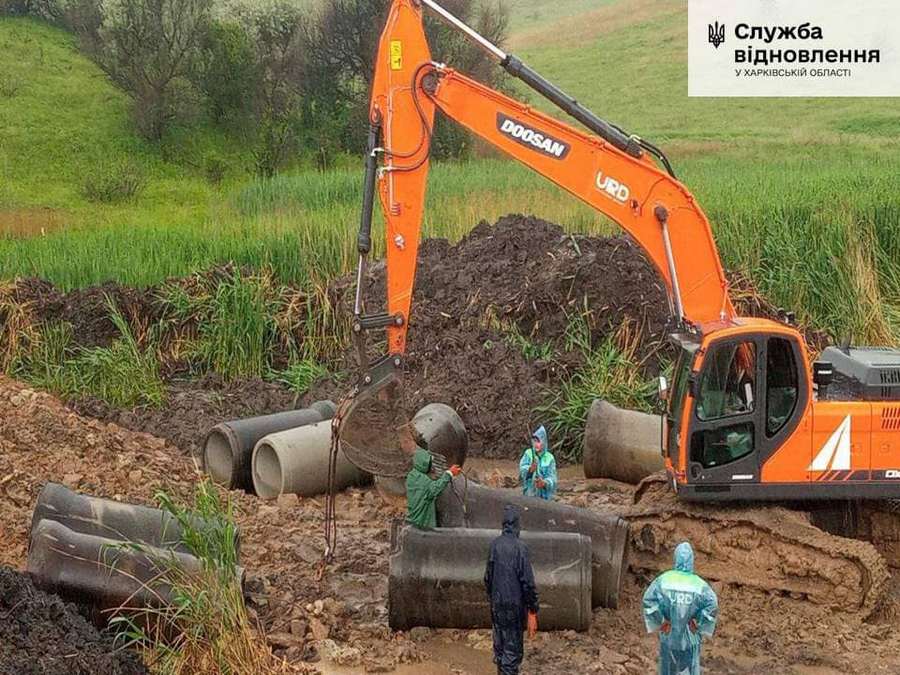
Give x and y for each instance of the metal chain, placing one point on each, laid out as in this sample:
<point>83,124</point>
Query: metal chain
<point>331,494</point>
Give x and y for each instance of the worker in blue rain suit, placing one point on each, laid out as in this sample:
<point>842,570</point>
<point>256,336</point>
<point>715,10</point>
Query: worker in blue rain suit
<point>509,581</point>
<point>683,609</point>
<point>537,468</point>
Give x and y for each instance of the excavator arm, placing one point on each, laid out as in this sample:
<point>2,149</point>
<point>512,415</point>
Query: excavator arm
<point>604,167</point>
<point>611,172</point>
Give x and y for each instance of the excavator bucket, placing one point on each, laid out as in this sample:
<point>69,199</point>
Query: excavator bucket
<point>376,430</point>
<point>379,432</point>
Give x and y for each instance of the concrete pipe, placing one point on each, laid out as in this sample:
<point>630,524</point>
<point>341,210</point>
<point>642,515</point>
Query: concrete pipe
<point>440,430</point>
<point>101,573</point>
<point>228,448</point>
<point>106,518</point>
<point>296,462</point>
<point>472,505</point>
<point>621,444</point>
<point>436,578</point>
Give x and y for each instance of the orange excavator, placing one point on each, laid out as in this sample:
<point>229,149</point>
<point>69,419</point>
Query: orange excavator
<point>744,419</point>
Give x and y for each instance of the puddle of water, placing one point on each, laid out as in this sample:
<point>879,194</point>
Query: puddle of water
<point>511,468</point>
<point>444,658</point>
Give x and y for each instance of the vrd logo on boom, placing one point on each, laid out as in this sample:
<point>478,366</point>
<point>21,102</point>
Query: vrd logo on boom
<point>612,188</point>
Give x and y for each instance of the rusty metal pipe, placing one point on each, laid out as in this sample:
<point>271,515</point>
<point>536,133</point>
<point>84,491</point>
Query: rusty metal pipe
<point>436,578</point>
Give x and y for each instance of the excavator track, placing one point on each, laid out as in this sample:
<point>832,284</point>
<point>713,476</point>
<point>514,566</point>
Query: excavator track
<point>771,548</point>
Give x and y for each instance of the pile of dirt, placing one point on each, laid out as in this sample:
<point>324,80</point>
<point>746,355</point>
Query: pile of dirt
<point>39,633</point>
<point>521,276</point>
<point>87,310</point>
<point>193,407</point>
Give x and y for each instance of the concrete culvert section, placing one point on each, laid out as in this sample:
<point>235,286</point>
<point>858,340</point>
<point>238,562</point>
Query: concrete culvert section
<point>296,462</point>
<point>471,505</point>
<point>440,430</point>
<point>101,572</point>
<point>623,445</point>
<point>228,448</point>
<point>110,519</point>
<point>436,578</point>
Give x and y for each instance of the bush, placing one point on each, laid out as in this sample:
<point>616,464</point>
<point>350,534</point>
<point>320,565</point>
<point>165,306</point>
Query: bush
<point>114,183</point>
<point>215,169</point>
<point>611,371</point>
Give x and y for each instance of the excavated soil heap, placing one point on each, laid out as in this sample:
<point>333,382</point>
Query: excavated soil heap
<point>524,273</point>
<point>521,272</point>
<point>39,633</point>
<point>193,407</point>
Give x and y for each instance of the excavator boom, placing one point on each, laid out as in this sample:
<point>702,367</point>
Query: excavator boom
<point>609,171</point>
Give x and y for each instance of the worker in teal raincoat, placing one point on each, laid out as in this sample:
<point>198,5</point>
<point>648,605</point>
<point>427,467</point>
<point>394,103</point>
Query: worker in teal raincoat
<point>422,491</point>
<point>683,609</point>
<point>537,468</point>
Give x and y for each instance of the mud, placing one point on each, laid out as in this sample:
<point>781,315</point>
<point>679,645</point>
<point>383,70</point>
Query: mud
<point>87,310</point>
<point>521,273</point>
<point>41,634</point>
<point>338,623</point>
<point>193,407</point>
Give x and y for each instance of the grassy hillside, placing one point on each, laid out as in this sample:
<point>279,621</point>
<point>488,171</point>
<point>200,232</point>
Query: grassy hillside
<point>628,61</point>
<point>802,193</point>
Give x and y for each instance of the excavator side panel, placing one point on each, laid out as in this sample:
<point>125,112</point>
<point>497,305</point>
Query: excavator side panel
<point>624,188</point>
<point>886,441</point>
<point>407,117</point>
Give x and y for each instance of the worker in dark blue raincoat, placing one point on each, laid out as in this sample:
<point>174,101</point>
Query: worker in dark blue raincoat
<point>509,580</point>
<point>683,609</point>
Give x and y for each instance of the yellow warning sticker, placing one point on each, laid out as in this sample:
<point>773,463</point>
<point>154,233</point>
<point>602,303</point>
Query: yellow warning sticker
<point>396,55</point>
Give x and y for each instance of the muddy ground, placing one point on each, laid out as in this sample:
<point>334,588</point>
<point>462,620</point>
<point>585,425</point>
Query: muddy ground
<point>338,624</point>
<point>39,633</point>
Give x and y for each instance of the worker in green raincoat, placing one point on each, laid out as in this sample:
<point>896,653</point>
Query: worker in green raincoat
<point>422,491</point>
<point>537,468</point>
<point>683,609</point>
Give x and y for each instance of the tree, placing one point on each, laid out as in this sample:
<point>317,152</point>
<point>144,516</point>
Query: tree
<point>227,72</point>
<point>343,61</point>
<point>149,48</point>
<point>280,35</point>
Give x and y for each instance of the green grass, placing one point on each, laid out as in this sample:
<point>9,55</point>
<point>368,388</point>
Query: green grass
<point>801,192</point>
<point>611,371</point>
<point>205,627</point>
<point>124,374</point>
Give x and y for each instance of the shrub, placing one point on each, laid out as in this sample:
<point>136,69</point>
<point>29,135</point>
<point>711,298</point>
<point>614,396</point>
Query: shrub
<point>611,371</point>
<point>114,183</point>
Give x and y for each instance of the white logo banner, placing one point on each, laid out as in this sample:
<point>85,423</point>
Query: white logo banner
<point>793,48</point>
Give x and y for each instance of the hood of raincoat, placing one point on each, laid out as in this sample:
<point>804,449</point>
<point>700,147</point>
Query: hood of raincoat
<point>511,520</point>
<point>422,460</point>
<point>541,433</point>
<point>684,557</point>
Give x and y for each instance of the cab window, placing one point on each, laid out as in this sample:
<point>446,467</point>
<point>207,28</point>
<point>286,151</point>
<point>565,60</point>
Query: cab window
<point>728,383</point>
<point>723,445</point>
<point>781,385</point>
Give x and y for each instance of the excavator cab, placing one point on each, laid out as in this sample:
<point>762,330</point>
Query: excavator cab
<point>738,393</point>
